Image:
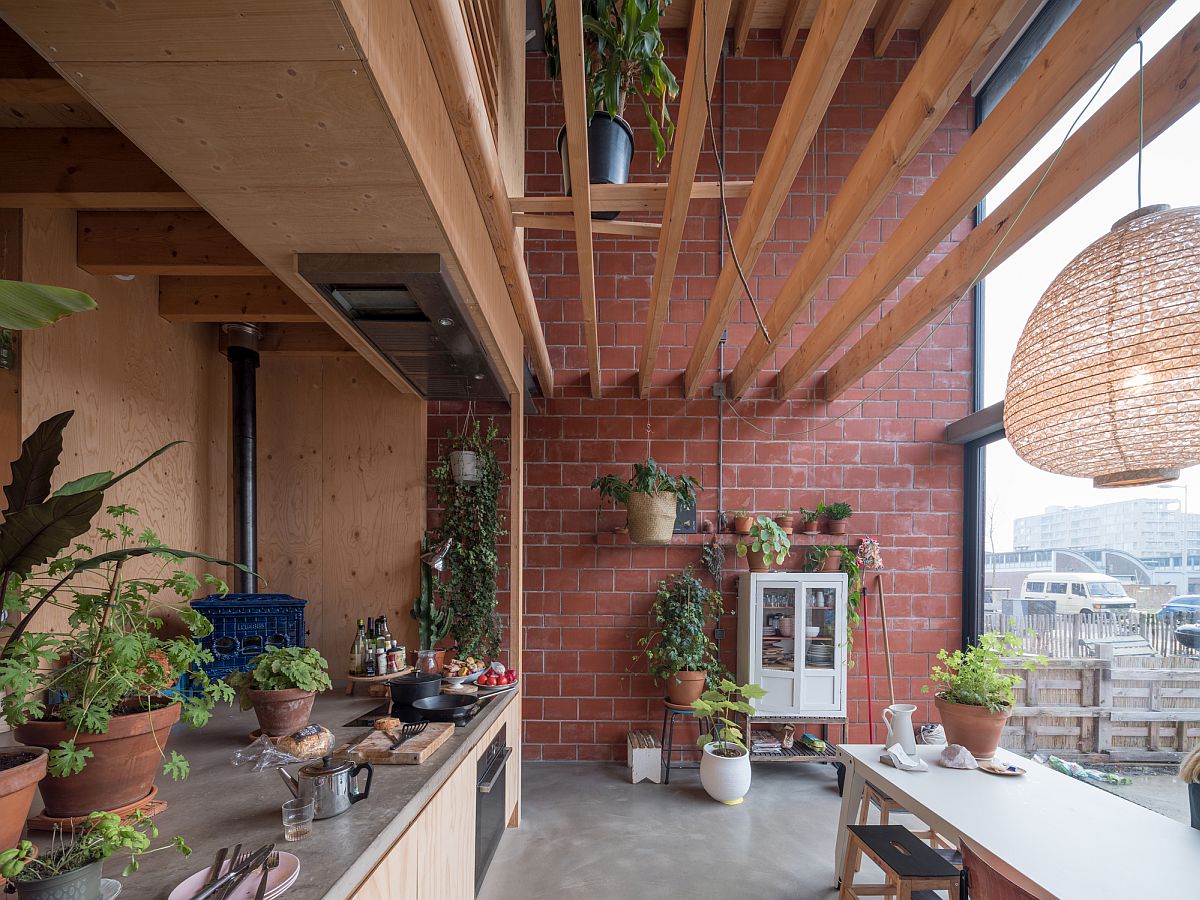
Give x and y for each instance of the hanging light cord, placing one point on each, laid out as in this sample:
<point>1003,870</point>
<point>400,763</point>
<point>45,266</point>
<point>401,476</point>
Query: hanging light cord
<point>891,376</point>
<point>1141,111</point>
<point>712,137</point>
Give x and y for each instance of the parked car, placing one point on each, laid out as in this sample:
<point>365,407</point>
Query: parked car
<point>1076,593</point>
<point>1188,636</point>
<point>1181,606</point>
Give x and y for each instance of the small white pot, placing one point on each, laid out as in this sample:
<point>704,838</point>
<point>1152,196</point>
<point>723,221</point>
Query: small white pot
<point>464,466</point>
<point>726,778</point>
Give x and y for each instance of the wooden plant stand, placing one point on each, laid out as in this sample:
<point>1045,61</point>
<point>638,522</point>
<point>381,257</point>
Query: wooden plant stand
<point>375,682</point>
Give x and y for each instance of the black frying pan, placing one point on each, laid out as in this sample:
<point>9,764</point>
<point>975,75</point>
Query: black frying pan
<point>445,707</point>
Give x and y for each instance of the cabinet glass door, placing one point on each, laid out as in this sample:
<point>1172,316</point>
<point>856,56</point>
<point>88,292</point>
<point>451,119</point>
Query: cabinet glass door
<point>820,627</point>
<point>778,628</point>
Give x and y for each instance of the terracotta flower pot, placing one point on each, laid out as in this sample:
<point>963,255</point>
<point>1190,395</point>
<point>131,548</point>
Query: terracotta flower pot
<point>837,526</point>
<point>813,527</point>
<point>787,523</point>
<point>760,562</point>
<point>684,687</point>
<point>282,712</point>
<point>974,727</point>
<point>832,562</point>
<point>121,771</point>
<point>21,768</point>
<point>741,524</point>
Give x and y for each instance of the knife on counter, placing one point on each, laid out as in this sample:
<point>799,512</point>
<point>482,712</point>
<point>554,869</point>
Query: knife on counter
<point>236,876</point>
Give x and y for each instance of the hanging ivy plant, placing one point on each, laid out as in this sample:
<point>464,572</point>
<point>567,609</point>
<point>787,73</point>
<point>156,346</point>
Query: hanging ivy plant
<point>471,519</point>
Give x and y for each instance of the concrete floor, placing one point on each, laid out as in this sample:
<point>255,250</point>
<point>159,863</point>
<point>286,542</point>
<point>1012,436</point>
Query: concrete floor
<point>587,832</point>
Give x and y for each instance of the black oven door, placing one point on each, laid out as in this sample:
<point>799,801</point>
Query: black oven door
<point>490,802</point>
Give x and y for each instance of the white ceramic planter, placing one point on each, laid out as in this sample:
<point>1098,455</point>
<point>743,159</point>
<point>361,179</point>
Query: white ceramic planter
<point>726,778</point>
<point>463,466</point>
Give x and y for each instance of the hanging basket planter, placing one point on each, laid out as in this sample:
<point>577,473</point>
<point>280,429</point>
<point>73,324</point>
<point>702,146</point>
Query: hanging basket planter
<point>464,466</point>
<point>651,517</point>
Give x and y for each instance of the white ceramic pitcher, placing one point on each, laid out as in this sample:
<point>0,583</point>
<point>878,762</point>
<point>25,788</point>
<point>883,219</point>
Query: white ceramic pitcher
<point>898,719</point>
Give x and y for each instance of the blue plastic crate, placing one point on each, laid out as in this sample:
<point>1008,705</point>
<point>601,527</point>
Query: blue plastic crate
<point>246,624</point>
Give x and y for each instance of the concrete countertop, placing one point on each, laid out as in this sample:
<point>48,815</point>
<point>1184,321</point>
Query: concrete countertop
<point>219,804</point>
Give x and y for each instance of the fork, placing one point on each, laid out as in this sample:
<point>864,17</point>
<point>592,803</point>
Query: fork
<point>411,730</point>
<point>236,858</point>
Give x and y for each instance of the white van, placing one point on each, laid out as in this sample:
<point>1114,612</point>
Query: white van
<point>1076,593</point>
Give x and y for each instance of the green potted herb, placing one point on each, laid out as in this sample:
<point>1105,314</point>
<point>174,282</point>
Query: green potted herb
<point>974,694</point>
<point>786,521</point>
<point>742,521</point>
<point>725,759</point>
<point>768,545</point>
<point>811,519</point>
<point>650,498</point>
<point>837,514</point>
<point>110,675</point>
<point>623,57</point>
<point>679,651</point>
<point>70,870</point>
<point>280,686</point>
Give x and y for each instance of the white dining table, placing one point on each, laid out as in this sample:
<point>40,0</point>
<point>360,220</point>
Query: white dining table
<point>1073,840</point>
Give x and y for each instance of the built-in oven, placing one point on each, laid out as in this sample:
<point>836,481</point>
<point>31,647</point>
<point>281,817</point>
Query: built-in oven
<point>490,802</point>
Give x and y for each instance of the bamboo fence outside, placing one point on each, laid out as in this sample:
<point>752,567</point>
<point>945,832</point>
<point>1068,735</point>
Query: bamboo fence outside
<point>1067,636</point>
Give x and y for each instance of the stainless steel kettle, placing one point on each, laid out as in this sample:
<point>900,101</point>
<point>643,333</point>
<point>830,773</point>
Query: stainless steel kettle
<point>330,785</point>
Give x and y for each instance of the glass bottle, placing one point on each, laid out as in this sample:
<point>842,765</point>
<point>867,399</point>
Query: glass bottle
<point>358,651</point>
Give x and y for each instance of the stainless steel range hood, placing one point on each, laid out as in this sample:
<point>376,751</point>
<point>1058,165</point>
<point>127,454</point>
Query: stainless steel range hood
<point>406,305</point>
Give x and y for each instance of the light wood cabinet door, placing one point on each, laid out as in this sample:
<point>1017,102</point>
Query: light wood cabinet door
<point>445,835</point>
<point>395,878</point>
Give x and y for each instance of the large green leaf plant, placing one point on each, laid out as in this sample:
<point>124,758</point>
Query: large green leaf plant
<point>115,657</point>
<point>623,55</point>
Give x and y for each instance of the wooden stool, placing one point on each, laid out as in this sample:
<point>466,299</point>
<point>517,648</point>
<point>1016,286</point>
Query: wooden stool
<point>643,756</point>
<point>912,870</point>
<point>873,796</point>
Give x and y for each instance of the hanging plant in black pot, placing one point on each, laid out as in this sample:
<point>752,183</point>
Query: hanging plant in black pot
<point>623,55</point>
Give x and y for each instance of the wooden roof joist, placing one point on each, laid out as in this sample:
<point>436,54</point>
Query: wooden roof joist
<point>944,68</point>
<point>636,197</point>
<point>887,23</point>
<point>599,226</point>
<point>246,298</point>
<point>160,243</point>
<point>1101,146</point>
<point>827,50</point>
<point>83,168</point>
<point>705,38</point>
<point>1087,44</point>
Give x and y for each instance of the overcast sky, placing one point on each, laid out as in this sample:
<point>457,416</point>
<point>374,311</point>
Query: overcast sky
<point>1170,175</point>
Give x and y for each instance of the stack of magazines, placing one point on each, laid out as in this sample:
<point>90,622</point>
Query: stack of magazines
<point>764,742</point>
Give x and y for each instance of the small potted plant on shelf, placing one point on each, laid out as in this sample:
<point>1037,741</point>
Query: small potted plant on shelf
<point>786,521</point>
<point>623,56</point>
<point>678,651</point>
<point>650,498</point>
<point>975,696</point>
<point>725,760</point>
<point>811,519</point>
<point>826,557</point>
<point>70,870</point>
<point>837,514</point>
<point>768,545</point>
<point>98,696</point>
<point>742,521</point>
<point>280,686</point>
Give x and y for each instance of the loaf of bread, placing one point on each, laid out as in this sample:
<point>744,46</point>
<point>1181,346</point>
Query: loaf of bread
<point>309,742</point>
<point>389,725</point>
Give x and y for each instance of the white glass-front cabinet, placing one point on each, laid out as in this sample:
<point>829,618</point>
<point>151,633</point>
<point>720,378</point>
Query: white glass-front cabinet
<point>792,641</point>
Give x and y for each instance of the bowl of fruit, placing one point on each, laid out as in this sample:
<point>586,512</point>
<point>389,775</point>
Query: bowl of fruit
<point>496,678</point>
<point>463,671</point>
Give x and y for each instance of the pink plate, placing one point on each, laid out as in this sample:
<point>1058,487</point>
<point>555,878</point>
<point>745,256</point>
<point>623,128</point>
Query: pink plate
<point>281,878</point>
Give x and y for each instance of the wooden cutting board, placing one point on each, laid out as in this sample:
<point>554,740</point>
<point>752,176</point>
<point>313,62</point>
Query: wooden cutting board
<point>376,747</point>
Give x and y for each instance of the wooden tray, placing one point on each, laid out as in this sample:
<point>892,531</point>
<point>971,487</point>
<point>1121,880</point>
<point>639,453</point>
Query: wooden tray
<point>375,681</point>
<point>376,747</point>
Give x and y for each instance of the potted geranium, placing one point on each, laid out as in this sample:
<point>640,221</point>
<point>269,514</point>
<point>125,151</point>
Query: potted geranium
<point>975,695</point>
<point>70,870</point>
<point>837,514</point>
<point>679,651</point>
<point>280,686</point>
<point>768,545</point>
<point>650,498</point>
<point>97,696</point>
<point>725,760</point>
<point>811,519</point>
<point>623,57</point>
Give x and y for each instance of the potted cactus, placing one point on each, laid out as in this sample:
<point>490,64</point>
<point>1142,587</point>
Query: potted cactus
<point>433,621</point>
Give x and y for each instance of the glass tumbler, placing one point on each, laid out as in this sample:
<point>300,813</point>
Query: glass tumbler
<point>297,819</point>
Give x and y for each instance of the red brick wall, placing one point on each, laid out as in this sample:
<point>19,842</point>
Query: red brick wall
<point>588,591</point>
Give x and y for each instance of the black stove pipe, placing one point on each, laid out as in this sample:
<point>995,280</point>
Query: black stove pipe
<point>243,360</point>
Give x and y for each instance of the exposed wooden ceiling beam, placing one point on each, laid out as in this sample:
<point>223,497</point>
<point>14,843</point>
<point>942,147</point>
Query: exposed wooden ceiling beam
<point>705,37</point>
<point>891,12</point>
<point>637,196</point>
<point>33,94</point>
<point>828,49</point>
<point>160,243</point>
<point>298,339</point>
<point>1087,43</point>
<point>443,29</point>
<point>789,29</point>
<point>39,91</point>
<point>927,94</point>
<point>936,11</point>
<point>1102,145</point>
<point>600,226</point>
<point>741,25</point>
<point>83,168</point>
<point>569,14</point>
<point>248,298</point>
